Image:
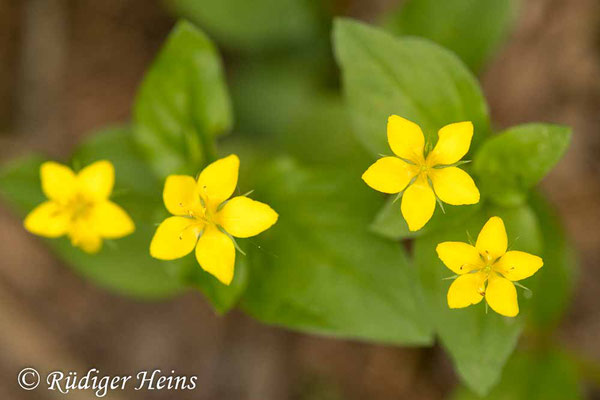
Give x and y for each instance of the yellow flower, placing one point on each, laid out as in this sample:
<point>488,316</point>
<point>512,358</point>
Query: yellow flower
<point>78,206</point>
<point>487,262</point>
<point>205,219</point>
<point>420,177</point>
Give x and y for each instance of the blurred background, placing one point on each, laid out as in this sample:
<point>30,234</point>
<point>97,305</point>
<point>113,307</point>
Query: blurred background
<point>68,67</point>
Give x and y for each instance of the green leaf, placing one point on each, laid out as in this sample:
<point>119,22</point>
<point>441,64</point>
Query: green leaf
<point>478,343</point>
<point>123,265</point>
<point>253,25</point>
<point>319,270</point>
<point>472,29</point>
<point>547,374</point>
<point>411,77</point>
<point>182,104</point>
<point>509,164</point>
<point>552,285</point>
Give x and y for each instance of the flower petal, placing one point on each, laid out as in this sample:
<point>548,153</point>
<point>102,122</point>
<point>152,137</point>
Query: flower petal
<point>216,254</point>
<point>405,138</point>
<point>181,196</point>
<point>454,186</point>
<point>501,295</point>
<point>453,143</point>
<point>218,180</point>
<point>48,219</point>
<point>111,221</point>
<point>389,175</point>
<point>467,289</point>
<point>517,265</point>
<point>174,238</point>
<point>492,240</point>
<point>84,236</point>
<point>459,257</point>
<point>58,181</point>
<point>96,181</point>
<point>418,204</point>
<point>91,244</point>
<point>243,217</point>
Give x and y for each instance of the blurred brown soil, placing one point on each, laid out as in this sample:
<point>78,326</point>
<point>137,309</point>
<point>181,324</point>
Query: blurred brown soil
<point>71,66</point>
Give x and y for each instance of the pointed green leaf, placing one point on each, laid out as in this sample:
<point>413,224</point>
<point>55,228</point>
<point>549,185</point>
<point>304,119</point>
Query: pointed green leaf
<point>412,77</point>
<point>509,164</point>
<point>319,270</point>
<point>182,104</point>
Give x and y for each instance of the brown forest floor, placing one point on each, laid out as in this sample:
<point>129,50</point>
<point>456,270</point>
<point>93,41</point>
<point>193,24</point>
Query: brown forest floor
<point>68,67</point>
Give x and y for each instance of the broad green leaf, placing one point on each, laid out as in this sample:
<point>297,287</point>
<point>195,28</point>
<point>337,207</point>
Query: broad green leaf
<point>509,164</point>
<point>553,284</point>
<point>319,270</point>
<point>472,29</point>
<point>253,25</point>
<point>479,343</point>
<point>182,103</point>
<point>123,265</point>
<point>412,77</point>
<point>545,374</point>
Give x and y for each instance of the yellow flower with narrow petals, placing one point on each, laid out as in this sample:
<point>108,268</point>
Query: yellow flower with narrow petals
<point>78,205</point>
<point>487,270</point>
<point>204,219</point>
<point>420,177</point>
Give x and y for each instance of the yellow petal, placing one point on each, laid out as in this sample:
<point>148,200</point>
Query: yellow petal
<point>389,175</point>
<point>517,265</point>
<point>405,138</point>
<point>96,180</point>
<point>111,221</point>
<point>48,219</point>
<point>84,236</point>
<point>453,143</point>
<point>91,244</point>
<point>418,204</point>
<point>492,241</point>
<point>454,186</point>
<point>501,295</point>
<point>216,254</point>
<point>181,195</point>
<point>467,289</point>
<point>175,238</point>
<point>58,181</point>
<point>218,180</point>
<point>459,257</point>
<point>243,217</point>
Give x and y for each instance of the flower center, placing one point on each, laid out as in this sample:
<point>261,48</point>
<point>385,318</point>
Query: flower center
<point>79,207</point>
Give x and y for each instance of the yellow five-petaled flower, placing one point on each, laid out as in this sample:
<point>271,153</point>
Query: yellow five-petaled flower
<point>426,175</point>
<point>78,206</point>
<point>487,262</point>
<point>204,218</point>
